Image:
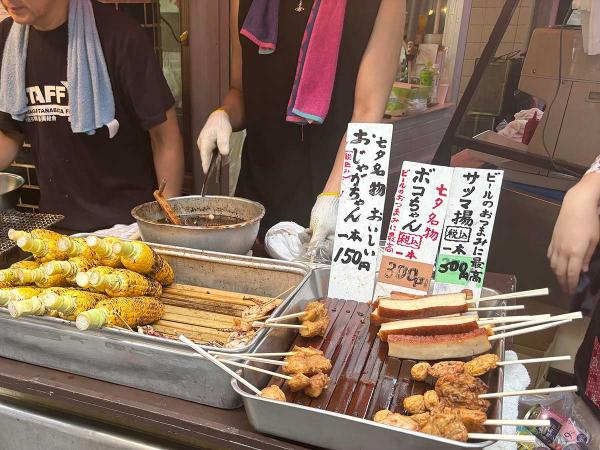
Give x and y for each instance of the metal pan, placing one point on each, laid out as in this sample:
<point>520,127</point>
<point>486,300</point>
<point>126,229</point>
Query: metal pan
<point>146,362</point>
<point>330,429</point>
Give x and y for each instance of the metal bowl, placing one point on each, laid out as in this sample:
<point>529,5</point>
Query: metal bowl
<point>10,185</point>
<point>237,238</point>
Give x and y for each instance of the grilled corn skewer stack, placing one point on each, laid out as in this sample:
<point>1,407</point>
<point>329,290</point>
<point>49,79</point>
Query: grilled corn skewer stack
<point>43,250</point>
<point>76,247</point>
<point>125,283</point>
<point>121,312</point>
<point>32,306</point>
<point>104,250</point>
<point>140,258</point>
<point>71,302</point>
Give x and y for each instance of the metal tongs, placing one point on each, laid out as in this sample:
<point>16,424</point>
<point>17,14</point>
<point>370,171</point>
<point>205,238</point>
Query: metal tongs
<point>216,158</point>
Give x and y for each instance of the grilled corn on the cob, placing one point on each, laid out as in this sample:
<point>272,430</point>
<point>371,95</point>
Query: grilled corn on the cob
<point>38,233</point>
<point>70,302</point>
<point>104,249</point>
<point>125,283</point>
<point>27,264</point>
<point>76,247</point>
<point>83,278</point>
<point>44,250</point>
<point>10,277</point>
<point>121,312</point>
<point>140,258</point>
<point>30,307</point>
<point>17,294</point>
<point>41,279</point>
<point>69,268</point>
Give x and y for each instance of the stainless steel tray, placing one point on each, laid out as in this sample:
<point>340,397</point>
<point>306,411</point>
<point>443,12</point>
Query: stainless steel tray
<point>330,429</point>
<point>146,362</point>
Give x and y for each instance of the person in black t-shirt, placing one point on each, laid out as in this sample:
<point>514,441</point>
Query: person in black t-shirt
<point>93,180</point>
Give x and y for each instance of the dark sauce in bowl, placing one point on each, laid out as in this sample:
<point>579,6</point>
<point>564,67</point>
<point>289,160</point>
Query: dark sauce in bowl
<point>205,220</point>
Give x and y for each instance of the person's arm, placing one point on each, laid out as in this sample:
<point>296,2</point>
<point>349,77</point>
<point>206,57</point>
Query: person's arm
<point>577,230</point>
<point>10,144</point>
<point>167,152</point>
<point>375,77</point>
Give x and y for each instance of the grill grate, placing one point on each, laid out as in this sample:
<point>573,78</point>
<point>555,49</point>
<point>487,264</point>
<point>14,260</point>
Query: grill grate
<point>22,221</point>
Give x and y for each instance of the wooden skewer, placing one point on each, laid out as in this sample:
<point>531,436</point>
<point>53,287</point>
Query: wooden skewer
<point>529,392</point>
<point>528,330</point>
<point>503,437</point>
<point>522,294</point>
<point>164,204</point>
<point>254,354</point>
<point>286,317</point>
<point>276,325</point>
<point>534,360</point>
<point>518,422</point>
<point>287,291</point>
<point>498,308</point>
<point>219,364</point>
<point>575,315</point>
<point>274,362</point>
<point>509,319</point>
<point>256,369</point>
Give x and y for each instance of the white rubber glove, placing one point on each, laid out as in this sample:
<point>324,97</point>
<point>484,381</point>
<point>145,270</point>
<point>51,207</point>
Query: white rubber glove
<point>215,134</point>
<point>322,225</point>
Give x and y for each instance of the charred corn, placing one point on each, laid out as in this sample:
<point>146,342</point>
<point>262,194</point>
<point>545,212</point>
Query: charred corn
<point>44,250</point>
<point>76,247</point>
<point>27,264</point>
<point>140,258</point>
<point>125,283</point>
<point>121,312</point>
<point>104,250</point>
<point>41,279</point>
<point>83,278</point>
<point>69,268</point>
<point>17,294</point>
<point>70,302</point>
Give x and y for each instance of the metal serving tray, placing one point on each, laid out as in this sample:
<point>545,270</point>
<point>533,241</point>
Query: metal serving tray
<point>329,429</point>
<point>152,363</point>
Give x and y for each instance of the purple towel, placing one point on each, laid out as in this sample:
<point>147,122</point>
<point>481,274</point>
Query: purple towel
<point>317,61</point>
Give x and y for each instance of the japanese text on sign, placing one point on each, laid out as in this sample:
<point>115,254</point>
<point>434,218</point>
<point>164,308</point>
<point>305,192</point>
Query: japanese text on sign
<point>468,230</point>
<point>360,214</point>
<point>415,229</point>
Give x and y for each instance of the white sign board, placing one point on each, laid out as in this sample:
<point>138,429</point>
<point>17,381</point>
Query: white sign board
<point>468,227</point>
<point>415,228</point>
<point>360,215</point>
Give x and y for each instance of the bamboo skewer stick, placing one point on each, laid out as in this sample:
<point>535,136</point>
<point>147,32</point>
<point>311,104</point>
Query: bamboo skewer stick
<point>191,290</point>
<point>498,308</point>
<point>528,330</point>
<point>274,362</point>
<point>255,369</point>
<point>255,354</point>
<point>276,325</point>
<point>219,364</point>
<point>510,319</point>
<point>286,317</point>
<point>503,437</point>
<point>534,360</point>
<point>575,315</point>
<point>518,422</point>
<point>529,392</point>
<point>209,299</point>
<point>522,294</point>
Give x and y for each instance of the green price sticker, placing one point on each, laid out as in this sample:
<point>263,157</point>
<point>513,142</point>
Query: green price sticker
<point>459,270</point>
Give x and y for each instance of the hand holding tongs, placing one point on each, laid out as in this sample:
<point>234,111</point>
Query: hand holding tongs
<point>216,157</point>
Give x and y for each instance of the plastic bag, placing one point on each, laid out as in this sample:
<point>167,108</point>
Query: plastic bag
<point>289,241</point>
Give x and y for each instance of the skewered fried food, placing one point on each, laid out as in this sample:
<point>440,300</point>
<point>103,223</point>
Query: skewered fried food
<point>462,391</point>
<point>274,393</point>
<point>387,417</point>
<point>472,419</point>
<point>314,311</point>
<point>306,351</point>
<point>447,424</point>
<point>298,382</point>
<point>431,400</point>
<point>419,371</point>
<point>432,306</point>
<point>415,404</point>
<point>481,365</point>
<point>316,328</point>
<point>316,385</point>
<point>421,419</point>
<point>440,369</point>
<point>308,364</point>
